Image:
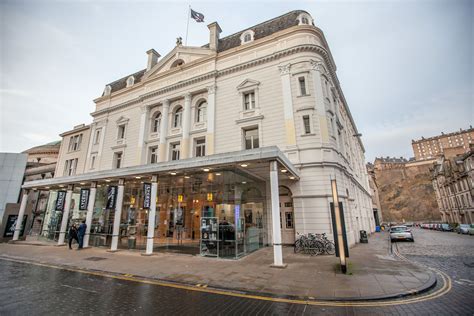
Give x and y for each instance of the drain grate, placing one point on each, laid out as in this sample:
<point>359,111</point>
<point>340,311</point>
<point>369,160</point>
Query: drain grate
<point>95,259</point>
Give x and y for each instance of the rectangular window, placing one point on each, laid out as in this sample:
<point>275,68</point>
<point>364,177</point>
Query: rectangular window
<point>93,162</point>
<point>121,132</point>
<point>289,219</point>
<point>249,101</point>
<point>97,136</point>
<point>153,154</point>
<point>118,160</point>
<point>71,142</point>
<point>200,147</point>
<point>70,167</point>
<point>302,83</point>
<point>306,123</point>
<point>175,151</point>
<point>251,138</point>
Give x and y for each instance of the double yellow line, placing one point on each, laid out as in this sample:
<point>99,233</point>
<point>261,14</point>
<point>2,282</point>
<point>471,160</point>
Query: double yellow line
<point>200,288</point>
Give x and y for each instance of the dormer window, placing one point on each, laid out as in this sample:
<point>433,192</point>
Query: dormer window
<point>305,19</point>
<point>130,81</point>
<point>247,37</point>
<point>107,90</point>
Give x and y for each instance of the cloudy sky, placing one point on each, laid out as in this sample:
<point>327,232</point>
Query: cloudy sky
<point>406,67</point>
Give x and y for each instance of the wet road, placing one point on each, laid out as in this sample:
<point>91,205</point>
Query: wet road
<point>39,290</point>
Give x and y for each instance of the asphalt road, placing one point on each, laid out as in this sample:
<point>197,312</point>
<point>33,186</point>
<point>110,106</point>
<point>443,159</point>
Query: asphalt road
<point>39,290</point>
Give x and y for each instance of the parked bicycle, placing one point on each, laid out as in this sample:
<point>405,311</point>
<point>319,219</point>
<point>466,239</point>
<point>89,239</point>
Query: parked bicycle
<point>314,244</point>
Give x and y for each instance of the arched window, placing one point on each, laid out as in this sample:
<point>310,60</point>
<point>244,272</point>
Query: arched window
<point>156,122</point>
<point>247,38</point>
<point>201,112</point>
<point>177,117</point>
<point>304,20</point>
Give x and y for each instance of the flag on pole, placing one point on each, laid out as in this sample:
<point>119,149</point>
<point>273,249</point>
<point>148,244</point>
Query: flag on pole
<point>198,17</point>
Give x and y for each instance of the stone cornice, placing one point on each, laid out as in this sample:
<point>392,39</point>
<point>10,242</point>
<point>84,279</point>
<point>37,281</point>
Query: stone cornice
<point>213,74</point>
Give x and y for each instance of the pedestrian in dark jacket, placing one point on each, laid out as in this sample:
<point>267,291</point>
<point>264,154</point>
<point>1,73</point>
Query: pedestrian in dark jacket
<point>72,235</point>
<point>81,232</point>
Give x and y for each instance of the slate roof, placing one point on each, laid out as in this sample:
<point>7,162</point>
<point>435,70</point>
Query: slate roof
<point>261,30</point>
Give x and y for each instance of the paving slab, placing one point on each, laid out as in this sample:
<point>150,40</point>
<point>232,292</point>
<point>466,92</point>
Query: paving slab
<point>373,271</point>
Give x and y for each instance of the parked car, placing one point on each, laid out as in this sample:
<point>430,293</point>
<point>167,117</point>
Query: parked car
<point>401,233</point>
<point>462,228</point>
<point>446,228</point>
<point>470,230</point>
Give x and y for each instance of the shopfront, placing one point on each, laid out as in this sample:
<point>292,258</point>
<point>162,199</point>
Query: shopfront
<point>217,211</point>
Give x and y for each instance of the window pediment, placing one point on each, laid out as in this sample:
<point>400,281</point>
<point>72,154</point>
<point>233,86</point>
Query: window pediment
<point>248,83</point>
<point>122,120</point>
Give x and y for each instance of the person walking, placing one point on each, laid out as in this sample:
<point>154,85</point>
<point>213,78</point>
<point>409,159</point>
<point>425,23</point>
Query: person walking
<point>72,235</point>
<point>81,232</point>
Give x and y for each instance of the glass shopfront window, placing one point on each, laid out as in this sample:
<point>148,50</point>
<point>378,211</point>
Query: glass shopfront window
<point>52,218</point>
<point>102,220</point>
<point>229,203</point>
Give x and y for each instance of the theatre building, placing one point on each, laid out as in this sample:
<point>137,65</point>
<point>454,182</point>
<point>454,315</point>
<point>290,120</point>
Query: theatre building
<point>217,150</point>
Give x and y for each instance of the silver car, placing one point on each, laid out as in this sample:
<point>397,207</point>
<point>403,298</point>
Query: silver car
<point>401,233</point>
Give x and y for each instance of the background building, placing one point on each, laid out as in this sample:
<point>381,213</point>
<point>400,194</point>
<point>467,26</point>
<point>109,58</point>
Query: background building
<point>453,182</point>
<point>430,148</point>
<point>12,169</point>
<point>376,206</point>
<point>40,164</point>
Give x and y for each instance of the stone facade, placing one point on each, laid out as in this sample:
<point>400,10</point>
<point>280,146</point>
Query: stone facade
<point>276,87</point>
<point>456,142</point>
<point>453,181</point>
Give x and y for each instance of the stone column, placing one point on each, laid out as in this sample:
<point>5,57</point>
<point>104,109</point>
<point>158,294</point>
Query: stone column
<point>211,119</point>
<point>21,213</point>
<point>118,216</point>
<point>65,220</point>
<point>163,130</point>
<point>145,109</point>
<point>151,216</point>
<point>276,234</point>
<point>90,212</point>
<point>317,69</point>
<point>186,126</point>
<point>288,105</point>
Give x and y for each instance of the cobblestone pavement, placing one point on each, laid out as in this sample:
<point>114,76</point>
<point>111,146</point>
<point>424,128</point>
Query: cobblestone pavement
<point>39,290</point>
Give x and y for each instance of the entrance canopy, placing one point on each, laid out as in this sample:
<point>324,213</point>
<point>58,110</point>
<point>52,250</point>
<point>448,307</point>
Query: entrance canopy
<point>253,163</point>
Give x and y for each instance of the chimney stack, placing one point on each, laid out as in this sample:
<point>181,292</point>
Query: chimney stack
<point>152,58</point>
<point>214,31</point>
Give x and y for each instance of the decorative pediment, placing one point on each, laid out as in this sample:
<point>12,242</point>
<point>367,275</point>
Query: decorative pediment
<point>248,83</point>
<point>122,119</point>
<point>178,57</point>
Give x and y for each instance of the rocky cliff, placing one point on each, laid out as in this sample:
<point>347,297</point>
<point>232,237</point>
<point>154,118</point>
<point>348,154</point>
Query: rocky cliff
<point>406,192</point>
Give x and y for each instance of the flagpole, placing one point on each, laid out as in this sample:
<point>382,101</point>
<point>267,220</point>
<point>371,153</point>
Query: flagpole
<point>187,27</point>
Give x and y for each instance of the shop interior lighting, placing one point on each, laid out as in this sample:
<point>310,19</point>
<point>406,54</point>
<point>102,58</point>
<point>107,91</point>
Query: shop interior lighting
<point>206,169</point>
<point>284,170</point>
<point>218,174</point>
<point>173,173</point>
<point>292,178</point>
<point>138,177</point>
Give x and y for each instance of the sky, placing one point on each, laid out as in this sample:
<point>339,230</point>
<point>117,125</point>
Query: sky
<point>406,67</point>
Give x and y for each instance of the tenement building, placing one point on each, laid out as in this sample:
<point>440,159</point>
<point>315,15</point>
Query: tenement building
<point>220,149</point>
<point>453,181</point>
<point>430,148</point>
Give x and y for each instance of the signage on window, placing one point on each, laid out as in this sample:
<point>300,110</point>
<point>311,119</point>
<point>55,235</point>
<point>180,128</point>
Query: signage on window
<point>60,201</point>
<point>84,199</point>
<point>111,197</point>
<point>146,195</point>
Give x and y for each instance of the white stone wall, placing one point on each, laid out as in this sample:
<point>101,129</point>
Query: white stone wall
<point>320,156</point>
<point>65,154</point>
